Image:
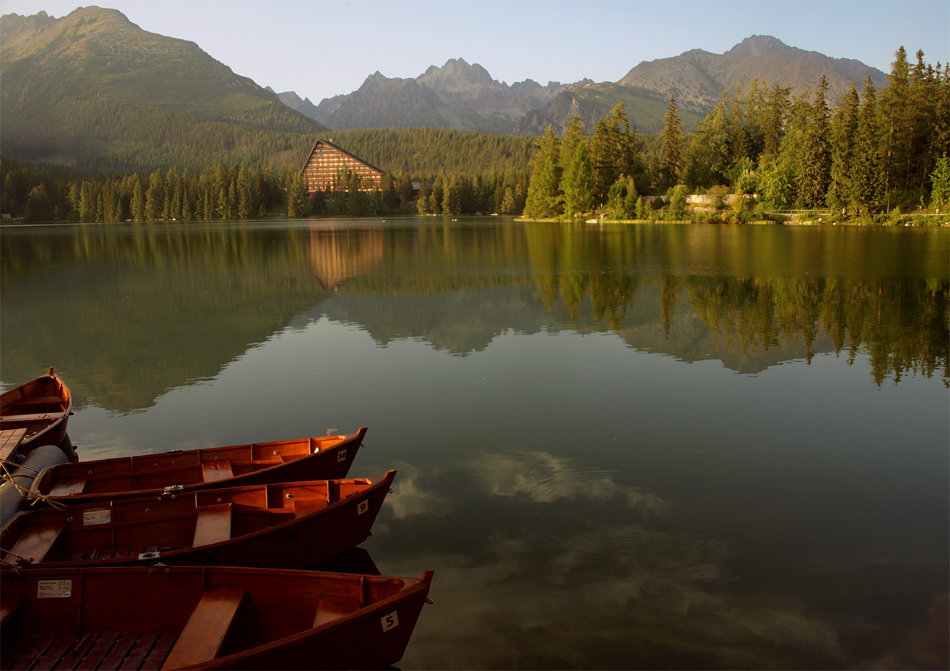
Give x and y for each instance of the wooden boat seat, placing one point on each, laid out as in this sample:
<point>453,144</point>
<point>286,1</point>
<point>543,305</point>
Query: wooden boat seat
<point>33,417</point>
<point>331,608</point>
<point>35,400</point>
<point>10,605</point>
<point>207,628</point>
<point>213,524</point>
<point>67,487</point>
<point>212,471</point>
<point>38,539</point>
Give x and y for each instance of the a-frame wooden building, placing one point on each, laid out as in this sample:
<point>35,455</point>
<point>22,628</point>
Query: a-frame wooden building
<point>327,162</point>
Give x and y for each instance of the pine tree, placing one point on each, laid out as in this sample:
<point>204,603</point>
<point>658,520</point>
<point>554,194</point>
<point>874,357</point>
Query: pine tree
<point>573,135</point>
<point>673,146</point>
<point>709,160</point>
<point>866,179</point>
<point>776,112</point>
<point>604,159</point>
<point>544,190</point>
<point>296,194</point>
<point>138,200</point>
<point>87,202</point>
<point>814,166</point>
<point>844,130</point>
<point>155,197</point>
<point>940,180</point>
<point>895,135</point>
<point>578,183</point>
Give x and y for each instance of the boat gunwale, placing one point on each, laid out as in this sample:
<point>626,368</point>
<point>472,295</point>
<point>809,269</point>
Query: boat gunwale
<point>373,485</point>
<point>44,480</point>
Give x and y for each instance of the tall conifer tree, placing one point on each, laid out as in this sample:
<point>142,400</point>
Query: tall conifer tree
<point>866,179</point>
<point>673,145</point>
<point>578,183</point>
<point>544,189</point>
<point>844,131</point>
<point>814,166</point>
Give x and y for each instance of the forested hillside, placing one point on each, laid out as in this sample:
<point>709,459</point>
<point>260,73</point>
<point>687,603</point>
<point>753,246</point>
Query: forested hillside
<point>459,172</point>
<point>428,150</point>
<point>873,152</point>
<point>95,91</point>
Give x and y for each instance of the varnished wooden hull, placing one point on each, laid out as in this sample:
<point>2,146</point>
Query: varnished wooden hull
<point>205,618</point>
<point>291,525</point>
<point>42,407</point>
<point>319,458</point>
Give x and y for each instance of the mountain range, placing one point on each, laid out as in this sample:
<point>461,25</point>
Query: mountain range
<point>463,96</point>
<point>92,89</point>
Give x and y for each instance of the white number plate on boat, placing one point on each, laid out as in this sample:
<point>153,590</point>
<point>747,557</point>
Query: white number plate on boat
<point>389,620</point>
<point>96,516</point>
<point>54,588</point>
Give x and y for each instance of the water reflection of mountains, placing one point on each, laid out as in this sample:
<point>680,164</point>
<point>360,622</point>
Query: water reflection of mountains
<point>132,314</point>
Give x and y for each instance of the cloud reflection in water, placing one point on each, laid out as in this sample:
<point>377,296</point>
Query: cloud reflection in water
<point>571,569</point>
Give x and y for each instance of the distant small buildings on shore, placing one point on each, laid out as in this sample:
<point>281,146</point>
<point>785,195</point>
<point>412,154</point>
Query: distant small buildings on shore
<point>327,163</point>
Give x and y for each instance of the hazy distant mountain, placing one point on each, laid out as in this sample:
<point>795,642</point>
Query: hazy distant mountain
<point>94,89</point>
<point>463,96</point>
<point>697,78</point>
<point>457,95</point>
<point>294,102</point>
<point>590,101</point>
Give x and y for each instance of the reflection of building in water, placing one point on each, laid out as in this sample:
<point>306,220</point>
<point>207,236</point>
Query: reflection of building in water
<point>327,162</point>
<point>338,255</point>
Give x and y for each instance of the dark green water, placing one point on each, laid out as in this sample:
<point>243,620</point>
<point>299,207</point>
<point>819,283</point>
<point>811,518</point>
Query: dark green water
<point>619,447</point>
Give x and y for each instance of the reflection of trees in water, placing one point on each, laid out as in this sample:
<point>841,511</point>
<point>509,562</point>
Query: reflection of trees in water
<point>754,290</point>
<point>901,322</point>
<point>149,307</point>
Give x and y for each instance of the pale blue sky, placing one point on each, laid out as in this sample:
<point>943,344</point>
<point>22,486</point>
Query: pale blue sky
<point>324,48</point>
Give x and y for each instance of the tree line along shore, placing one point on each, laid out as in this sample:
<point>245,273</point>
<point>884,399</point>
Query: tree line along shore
<point>877,157</point>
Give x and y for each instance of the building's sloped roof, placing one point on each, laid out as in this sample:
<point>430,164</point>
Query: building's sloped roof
<point>342,151</point>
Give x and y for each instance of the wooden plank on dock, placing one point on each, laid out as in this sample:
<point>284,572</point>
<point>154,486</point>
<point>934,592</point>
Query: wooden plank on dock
<point>10,440</point>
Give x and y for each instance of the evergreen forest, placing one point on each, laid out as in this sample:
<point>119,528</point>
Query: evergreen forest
<point>874,156</point>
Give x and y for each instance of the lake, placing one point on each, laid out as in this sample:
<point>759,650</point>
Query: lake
<point>640,446</point>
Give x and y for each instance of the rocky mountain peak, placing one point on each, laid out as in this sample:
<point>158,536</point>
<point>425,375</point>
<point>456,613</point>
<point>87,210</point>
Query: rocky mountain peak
<point>456,75</point>
<point>757,46</point>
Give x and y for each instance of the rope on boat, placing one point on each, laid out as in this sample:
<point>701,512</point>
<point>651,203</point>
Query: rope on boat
<point>29,493</point>
<point>7,553</point>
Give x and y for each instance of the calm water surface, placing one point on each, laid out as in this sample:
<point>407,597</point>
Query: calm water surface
<point>618,447</point>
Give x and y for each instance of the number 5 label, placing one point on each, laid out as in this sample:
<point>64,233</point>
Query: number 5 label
<point>389,620</point>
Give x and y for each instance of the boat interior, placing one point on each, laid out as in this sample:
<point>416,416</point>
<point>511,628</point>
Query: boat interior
<point>132,527</point>
<point>171,616</point>
<point>156,471</point>
<point>35,404</point>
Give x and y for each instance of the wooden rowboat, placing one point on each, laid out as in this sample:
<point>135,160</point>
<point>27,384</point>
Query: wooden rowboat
<point>206,618</point>
<point>323,458</point>
<point>41,407</point>
<point>287,525</point>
